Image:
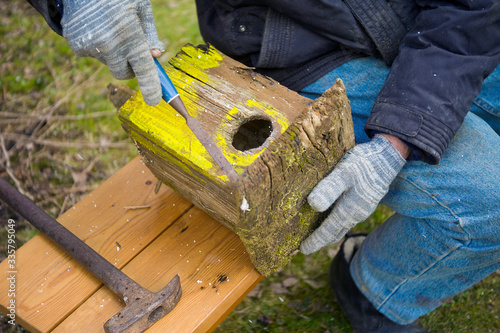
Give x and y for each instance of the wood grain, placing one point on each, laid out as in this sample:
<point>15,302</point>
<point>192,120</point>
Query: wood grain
<point>238,107</point>
<point>51,287</point>
<point>214,269</point>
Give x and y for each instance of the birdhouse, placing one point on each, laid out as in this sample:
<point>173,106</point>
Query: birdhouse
<point>279,142</point>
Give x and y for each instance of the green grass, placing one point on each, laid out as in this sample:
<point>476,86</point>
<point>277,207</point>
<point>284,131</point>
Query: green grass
<point>40,76</point>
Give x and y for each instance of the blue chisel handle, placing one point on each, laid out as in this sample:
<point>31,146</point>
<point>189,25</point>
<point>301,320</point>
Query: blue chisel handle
<point>171,96</point>
<point>167,87</point>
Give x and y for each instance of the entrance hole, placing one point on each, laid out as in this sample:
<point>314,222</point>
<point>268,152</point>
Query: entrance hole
<point>252,134</point>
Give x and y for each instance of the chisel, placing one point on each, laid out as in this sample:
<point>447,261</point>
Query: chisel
<point>171,96</point>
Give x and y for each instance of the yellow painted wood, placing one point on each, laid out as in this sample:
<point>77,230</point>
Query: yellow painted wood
<point>50,286</point>
<point>287,143</point>
<point>196,73</point>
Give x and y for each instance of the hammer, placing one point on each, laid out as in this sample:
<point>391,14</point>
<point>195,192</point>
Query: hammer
<point>142,307</point>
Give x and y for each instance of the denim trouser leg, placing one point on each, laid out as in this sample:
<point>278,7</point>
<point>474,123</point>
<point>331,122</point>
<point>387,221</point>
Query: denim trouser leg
<point>445,234</point>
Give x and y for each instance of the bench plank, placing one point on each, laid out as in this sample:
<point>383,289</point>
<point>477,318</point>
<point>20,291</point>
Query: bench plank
<point>50,286</point>
<point>214,270</point>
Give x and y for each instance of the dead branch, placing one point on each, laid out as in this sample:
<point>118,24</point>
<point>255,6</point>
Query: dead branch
<point>24,139</point>
<point>9,170</point>
<point>18,117</point>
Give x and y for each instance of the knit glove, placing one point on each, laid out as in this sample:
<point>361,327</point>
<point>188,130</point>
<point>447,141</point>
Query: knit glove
<point>120,34</point>
<point>354,188</point>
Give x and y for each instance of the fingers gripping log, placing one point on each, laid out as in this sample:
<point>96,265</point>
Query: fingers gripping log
<point>143,307</point>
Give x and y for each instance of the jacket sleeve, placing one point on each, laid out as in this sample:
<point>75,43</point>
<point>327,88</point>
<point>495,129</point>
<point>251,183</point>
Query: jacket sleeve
<point>432,83</point>
<point>50,11</point>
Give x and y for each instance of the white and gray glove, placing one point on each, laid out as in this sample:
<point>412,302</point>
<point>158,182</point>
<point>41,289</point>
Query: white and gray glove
<point>120,34</point>
<point>354,188</point>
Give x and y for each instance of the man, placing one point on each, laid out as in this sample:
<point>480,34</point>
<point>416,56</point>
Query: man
<point>413,70</point>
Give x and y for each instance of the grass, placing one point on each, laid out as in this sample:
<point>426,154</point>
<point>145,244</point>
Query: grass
<point>298,299</point>
<point>60,139</point>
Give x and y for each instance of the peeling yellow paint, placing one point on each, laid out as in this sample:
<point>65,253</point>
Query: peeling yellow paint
<point>164,126</point>
<point>245,158</point>
<point>198,63</point>
<point>204,59</point>
<point>164,132</point>
<point>272,112</point>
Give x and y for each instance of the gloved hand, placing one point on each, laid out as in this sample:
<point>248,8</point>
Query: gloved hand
<point>354,188</point>
<point>120,34</point>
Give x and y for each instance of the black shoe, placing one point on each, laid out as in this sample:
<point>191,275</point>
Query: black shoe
<point>362,314</point>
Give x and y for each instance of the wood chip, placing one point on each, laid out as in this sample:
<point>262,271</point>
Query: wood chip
<point>136,207</point>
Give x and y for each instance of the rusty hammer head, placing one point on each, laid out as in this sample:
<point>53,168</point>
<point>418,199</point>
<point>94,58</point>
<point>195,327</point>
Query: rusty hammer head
<point>143,308</point>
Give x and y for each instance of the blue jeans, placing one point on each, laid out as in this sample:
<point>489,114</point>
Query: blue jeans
<point>445,234</point>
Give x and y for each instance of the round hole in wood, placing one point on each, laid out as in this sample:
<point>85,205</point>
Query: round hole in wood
<point>252,134</point>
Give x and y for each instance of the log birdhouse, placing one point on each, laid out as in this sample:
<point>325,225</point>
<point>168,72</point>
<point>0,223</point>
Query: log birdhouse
<point>280,143</point>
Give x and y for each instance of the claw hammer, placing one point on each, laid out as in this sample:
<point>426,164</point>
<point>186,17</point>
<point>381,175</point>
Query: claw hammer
<point>142,307</point>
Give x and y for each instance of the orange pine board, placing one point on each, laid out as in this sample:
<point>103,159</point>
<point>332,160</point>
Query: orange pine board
<point>50,286</point>
<point>214,270</point>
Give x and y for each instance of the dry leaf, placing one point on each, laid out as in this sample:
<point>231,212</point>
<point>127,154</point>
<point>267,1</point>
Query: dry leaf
<point>315,284</point>
<point>290,281</point>
<point>278,288</point>
<point>332,252</point>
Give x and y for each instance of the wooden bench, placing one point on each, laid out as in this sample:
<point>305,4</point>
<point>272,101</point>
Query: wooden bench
<point>151,237</point>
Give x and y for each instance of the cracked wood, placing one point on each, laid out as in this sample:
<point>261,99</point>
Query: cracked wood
<point>280,143</point>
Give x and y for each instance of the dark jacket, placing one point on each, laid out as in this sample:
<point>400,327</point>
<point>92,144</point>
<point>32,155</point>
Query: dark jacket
<point>440,52</point>
<point>51,12</point>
